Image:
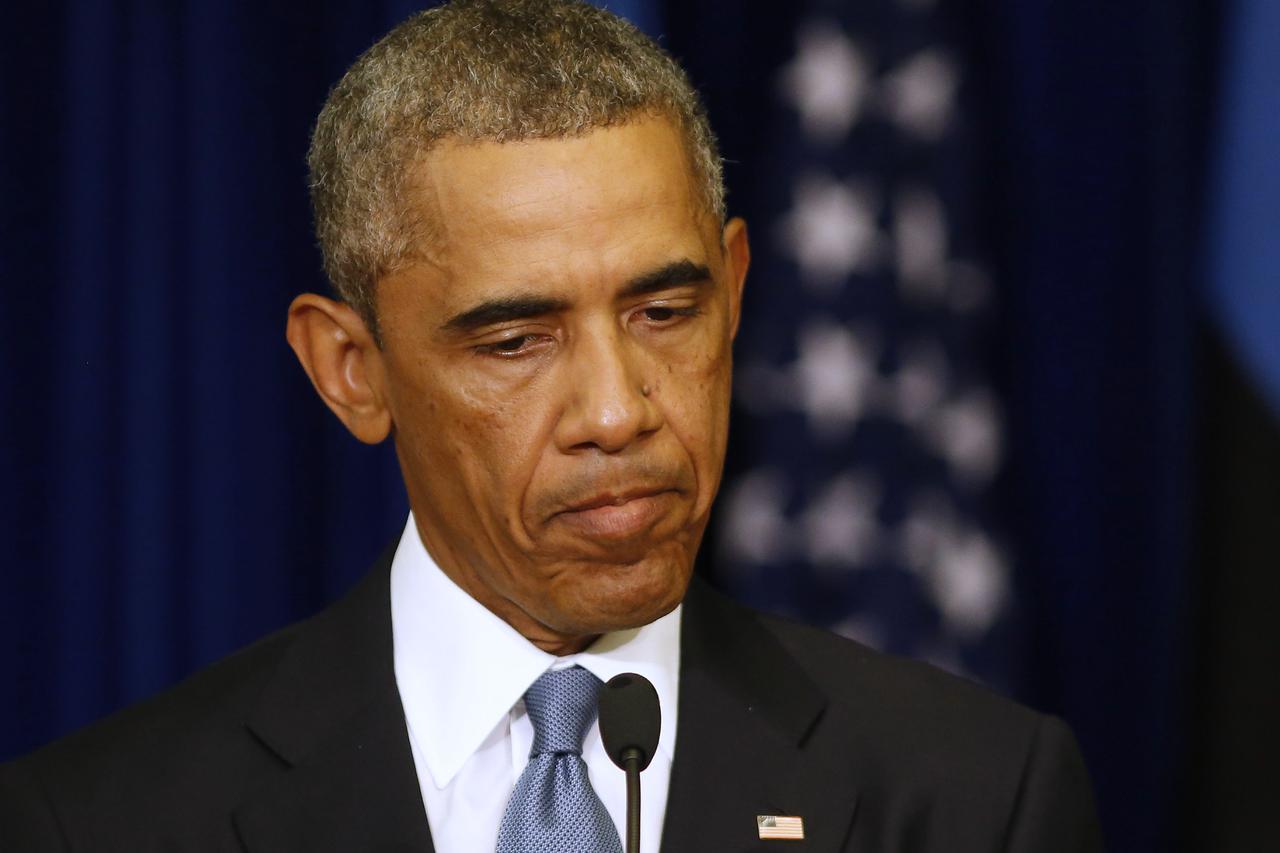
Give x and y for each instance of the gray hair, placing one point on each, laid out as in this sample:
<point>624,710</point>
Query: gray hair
<point>478,70</point>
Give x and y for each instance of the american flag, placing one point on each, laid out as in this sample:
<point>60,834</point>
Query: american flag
<point>779,827</point>
<point>868,436</point>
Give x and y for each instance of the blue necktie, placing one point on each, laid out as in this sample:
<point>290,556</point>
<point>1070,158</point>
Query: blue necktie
<point>553,808</point>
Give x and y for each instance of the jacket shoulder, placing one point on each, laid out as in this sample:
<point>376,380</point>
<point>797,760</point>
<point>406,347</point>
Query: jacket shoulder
<point>945,756</point>
<point>169,772</point>
<point>213,700</point>
<point>901,701</point>
<point>846,669</point>
<point>931,760</point>
<point>177,756</point>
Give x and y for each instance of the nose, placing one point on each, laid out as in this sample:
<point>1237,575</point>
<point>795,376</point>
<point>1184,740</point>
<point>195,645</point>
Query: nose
<point>609,405</point>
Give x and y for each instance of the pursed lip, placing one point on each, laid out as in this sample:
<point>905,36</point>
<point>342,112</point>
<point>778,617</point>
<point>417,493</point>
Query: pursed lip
<point>618,515</point>
<point>614,498</point>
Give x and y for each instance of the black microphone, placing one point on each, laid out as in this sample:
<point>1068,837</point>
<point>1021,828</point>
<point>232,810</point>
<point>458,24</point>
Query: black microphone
<point>630,720</point>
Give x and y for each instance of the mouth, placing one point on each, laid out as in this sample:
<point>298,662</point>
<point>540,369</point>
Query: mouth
<point>618,515</point>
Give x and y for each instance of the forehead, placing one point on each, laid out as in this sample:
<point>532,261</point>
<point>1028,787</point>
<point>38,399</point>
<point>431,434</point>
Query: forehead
<point>586,202</point>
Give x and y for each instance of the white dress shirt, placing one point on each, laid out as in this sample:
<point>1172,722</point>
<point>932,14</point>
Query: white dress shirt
<point>462,673</point>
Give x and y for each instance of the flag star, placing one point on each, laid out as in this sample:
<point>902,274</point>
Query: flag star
<point>966,432</point>
<point>925,529</point>
<point>827,81</point>
<point>920,243</point>
<point>841,528</point>
<point>919,95</point>
<point>919,384</point>
<point>834,377</point>
<point>755,528</point>
<point>831,231</point>
<point>969,582</point>
<point>961,568</point>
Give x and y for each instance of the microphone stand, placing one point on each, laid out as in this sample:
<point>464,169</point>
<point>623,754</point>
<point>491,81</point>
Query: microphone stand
<point>631,759</point>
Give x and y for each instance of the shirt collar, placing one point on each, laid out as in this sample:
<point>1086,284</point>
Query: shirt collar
<point>460,668</point>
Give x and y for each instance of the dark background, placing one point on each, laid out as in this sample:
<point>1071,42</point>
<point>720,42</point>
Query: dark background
<point>171,488</point>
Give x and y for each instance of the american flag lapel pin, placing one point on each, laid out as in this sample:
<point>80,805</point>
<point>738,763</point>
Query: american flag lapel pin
<point>778,827</point>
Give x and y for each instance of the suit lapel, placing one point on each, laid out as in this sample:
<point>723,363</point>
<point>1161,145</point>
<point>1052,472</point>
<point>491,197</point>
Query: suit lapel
<point>746,712</point>
<point>333,717</point>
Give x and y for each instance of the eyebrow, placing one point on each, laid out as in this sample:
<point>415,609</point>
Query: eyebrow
<point>522,307</point>
<point>673,274</point>
<point>502,310</point>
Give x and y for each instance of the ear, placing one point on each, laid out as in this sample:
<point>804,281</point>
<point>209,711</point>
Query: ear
<point>343,361</point>
<point>737,253</point>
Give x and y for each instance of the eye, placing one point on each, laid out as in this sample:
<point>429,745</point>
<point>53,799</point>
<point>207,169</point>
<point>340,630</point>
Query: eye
<point>510,347</point>
<point>511,344</point>
<point>667,315</point>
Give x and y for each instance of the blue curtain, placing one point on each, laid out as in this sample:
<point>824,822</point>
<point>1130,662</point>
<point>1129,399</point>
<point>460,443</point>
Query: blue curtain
<point>1099,150</point>
<point>171,488</point>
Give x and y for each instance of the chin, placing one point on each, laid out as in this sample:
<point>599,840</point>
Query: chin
<point>624,597</point>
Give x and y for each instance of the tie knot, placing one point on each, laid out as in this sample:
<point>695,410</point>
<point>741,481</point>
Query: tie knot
<point>562,706</point>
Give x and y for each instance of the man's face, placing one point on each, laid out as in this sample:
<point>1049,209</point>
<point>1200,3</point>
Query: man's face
<point>557,368</point>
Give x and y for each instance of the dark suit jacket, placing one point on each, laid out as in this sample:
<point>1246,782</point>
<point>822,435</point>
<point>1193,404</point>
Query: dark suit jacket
<point>298,743</point>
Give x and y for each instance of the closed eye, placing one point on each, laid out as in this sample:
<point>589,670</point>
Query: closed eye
<point>665,314</point>
<point>512,347</point>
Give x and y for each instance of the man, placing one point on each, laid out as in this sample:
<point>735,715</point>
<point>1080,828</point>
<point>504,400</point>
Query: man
<point>520,206</point>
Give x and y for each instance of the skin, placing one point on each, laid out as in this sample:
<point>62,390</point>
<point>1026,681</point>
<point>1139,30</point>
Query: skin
<point>555,368</point>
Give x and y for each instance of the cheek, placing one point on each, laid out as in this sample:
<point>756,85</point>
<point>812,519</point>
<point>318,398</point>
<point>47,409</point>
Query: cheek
<point>491,441</point>
<point>697,398</point>
<point>455,433</point>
